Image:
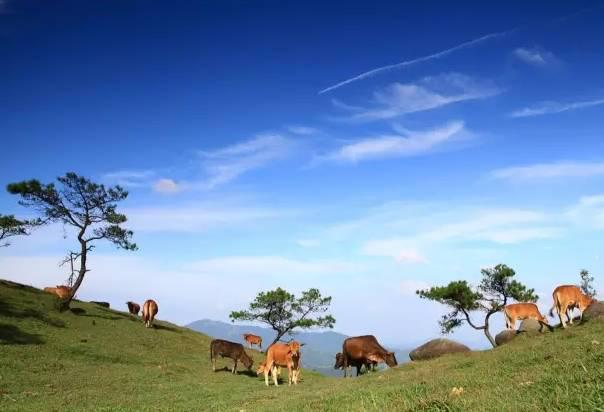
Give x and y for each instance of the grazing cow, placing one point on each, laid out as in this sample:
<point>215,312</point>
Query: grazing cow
<point>566,298</point>
<point>253,340</point>
<point>149,312</point>
<point>133,308</point>
<point>358,364</point>
<point>232,350</point>
<point>283,355</point>
<point>521,311</point>
<point>61,291</point>
<point>363,349</point>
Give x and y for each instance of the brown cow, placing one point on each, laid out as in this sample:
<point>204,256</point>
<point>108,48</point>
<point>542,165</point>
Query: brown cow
<point>285,355</point>
<point>149,312</point>
<point>133,308</point>
<point>566,298</point>
<point>521,311</point>
<point>226,349</point>
<point>61,291</point>
<point>253,340</point>
<point>358,364</point>
<point>361,349</point>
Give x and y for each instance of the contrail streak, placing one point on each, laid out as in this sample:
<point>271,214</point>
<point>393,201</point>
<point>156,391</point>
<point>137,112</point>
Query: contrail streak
<point>438,55</point>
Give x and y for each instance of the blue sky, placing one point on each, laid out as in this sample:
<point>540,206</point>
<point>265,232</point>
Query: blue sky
<point>365,149</point>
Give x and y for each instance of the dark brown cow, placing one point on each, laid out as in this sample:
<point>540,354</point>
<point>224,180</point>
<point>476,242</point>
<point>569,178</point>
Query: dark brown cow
<point>232,350</point>
<point>133,308</point>
<point>149,312</point>
<point>358,364</point>
<point>363,349</point>
<point>252,340</point>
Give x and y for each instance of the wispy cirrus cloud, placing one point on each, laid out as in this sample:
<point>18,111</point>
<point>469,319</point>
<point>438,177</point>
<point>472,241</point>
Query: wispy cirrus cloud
<point>550,170</point>
<point>399,145</point>
<point>534,56</point>
<point>554,107</point>
<point>429,93</point>
<point>408,63</point>
<point>302,130</point>
<point>227,163</point>
<point>199,218</point>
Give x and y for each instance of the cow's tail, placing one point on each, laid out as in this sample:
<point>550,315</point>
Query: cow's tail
<point>554,307</point>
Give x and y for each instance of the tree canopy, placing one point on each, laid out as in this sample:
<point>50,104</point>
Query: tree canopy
<point>587,283</point>
<point>497,287</point>
<point>10,226</point>
<point>283,312</point>
<point>78,202</point>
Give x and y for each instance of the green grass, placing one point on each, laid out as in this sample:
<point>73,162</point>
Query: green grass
<point>105,360</point>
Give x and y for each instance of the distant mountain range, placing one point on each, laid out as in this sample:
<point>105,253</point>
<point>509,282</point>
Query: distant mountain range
<point>318,352</point>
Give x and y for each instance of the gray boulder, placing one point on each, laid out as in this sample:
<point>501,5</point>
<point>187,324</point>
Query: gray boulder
<point>436,348</point>
<point>594,311</point>
<point>505,336</point>
<point>531,325</point>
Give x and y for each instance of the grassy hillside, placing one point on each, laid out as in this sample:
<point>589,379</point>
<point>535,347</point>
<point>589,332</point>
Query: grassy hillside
<point>104,360</point>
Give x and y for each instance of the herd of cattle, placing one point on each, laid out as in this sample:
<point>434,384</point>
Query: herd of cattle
<point>357,351</point>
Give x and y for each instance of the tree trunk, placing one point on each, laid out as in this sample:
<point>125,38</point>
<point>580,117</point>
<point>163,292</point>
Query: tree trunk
<point>64,305</point>
<point>277,338</point>
<point>487,333</point>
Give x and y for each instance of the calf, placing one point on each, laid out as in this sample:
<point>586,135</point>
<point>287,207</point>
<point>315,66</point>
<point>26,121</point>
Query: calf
<point>361,349</point>
<point>61,291</point>
<point>357,363</point>
<point>521,311</point>
<point>133,308</point>
<point>226,349</point>
<point>253,340</point>
<point>566,298</point>
<point>149,311</point>
<point>285,355</point>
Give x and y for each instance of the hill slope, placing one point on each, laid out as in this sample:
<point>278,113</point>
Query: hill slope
<point>319,348</point>
<point>106,360</point>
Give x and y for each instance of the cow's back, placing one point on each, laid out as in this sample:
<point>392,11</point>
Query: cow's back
<point>567,293</point>
<point>358,347</point>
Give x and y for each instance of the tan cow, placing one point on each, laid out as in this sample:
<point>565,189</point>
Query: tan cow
<point>253,340</point>
<point>149,312</point>
<point>283,355</point>
<point>521,311</point>
<point>61,291</point>
<point>566,298</point>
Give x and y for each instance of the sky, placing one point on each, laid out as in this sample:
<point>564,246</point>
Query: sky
<point>368,149</point>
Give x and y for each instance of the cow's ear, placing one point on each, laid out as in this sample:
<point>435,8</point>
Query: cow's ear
<point>302,344</point>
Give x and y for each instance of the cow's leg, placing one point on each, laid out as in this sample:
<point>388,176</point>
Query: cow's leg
<point>275,375</point>
<point>266,370</point>
<point>213,362</point>
<point>562,314</point>
<point>235,366</point>
<point>569,314</point>
<point>290,376</point>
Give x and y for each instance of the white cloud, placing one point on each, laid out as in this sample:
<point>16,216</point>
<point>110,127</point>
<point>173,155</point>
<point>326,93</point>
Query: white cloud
<point>550,170</point>
<point>554,107</point>
<point>130,178</point>
<point>167,186</point>
<point>397,145</point>
<point>308,243</point>
<point>398,249</point>
<point>227,163</point>
<point>302,130</point>
<point>534,56</point>
<point>588,212</point>
<point>407,63</point>
<point>429,93</point>
<point>197,218</point>
<point>271,265</point>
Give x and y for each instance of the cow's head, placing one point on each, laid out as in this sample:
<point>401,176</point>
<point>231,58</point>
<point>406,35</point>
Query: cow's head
<point>260,369</point>
<point>390,359</point>
<point>586,301</point>
<point>247,361</point>
<point>339,361</point>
